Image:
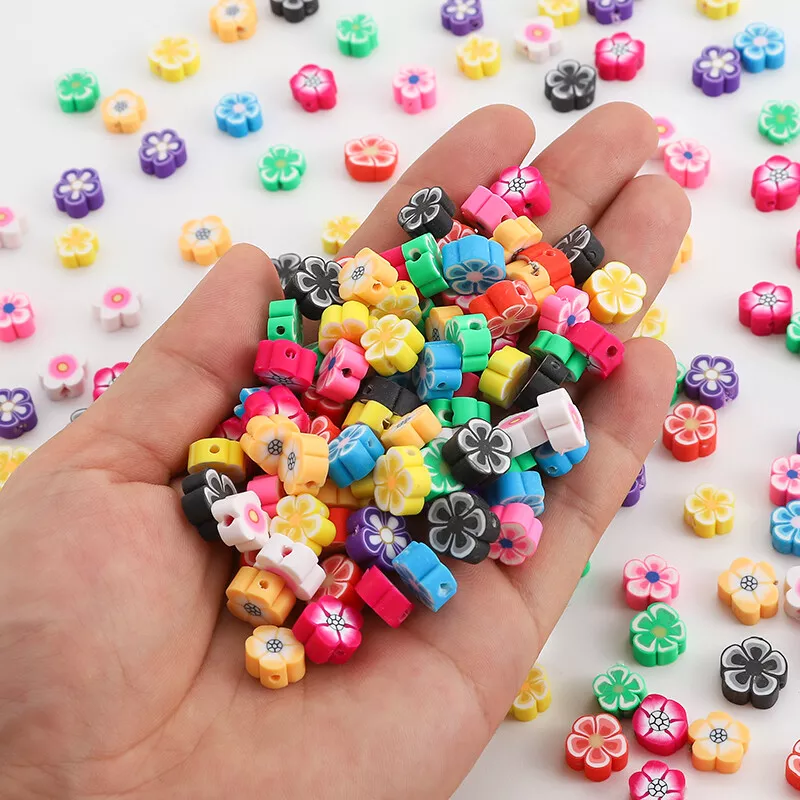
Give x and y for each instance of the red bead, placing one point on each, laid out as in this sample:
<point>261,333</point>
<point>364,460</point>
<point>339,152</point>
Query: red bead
<point>341,371</point>
<point>338,516</point>
<point>277,400</point>
<point>316,405</point>
<point>458,231</point>
<point>604,350</point>
<point>248,559</point>
<point>232,428</point>
<point>370,158</point>
<point>384,598</point>
<point>342,575</point>
<point>469,385</point>
<point>330,630</point>
<point>690,431</point>
<point>324,427</point>
<point>509,307</point>
<point>554,261</point>
<point>285,363</point>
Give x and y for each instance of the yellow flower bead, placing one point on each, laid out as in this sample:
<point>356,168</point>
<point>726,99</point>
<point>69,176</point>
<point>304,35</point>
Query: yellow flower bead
<point>373,414</point>
<point>401,481</point>
<point>364,490</point>
<point>709,511</point>
<point>223,455</point>
<point>562,12</point>
<point>348,321</point>
<point>336,233</point>
<point>233,20</point>
<point>750,589</point>
<point>123,112</point>
<point>534,696</point>
<point>392,345</point>
<point>10,459</point>
<point>366,277</point>
<point>415,429</point>
<point>174,58</point>
<point>303,519</point>
<point>504,376</point>
<point>653,324</point>
<point>204,240</point>
<point>718,9</point>
<point>77,246</point>
<point>615,293</point>
<point>402,301</point>
<point>479,57</point>
<point>437,319</point>
<point>708,752</point>
<point>684,254</point>
<point>264,439</point>
<point>514,235</point>
<point>336,497</point>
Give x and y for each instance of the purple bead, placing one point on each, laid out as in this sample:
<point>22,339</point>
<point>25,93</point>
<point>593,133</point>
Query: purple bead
<point>375,537</point>
<point>712,380</point>
<point>162,152</point>
<point>608,11</point>
<point>635,494</point>
<point>78,192</point>
<point>17,413</point>
<point>718,70</point>
<point>462,16</point>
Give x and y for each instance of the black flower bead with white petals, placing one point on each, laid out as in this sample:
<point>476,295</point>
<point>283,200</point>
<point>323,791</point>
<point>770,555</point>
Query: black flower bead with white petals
<point>286,265</point>
<point>315,286</point>
<point>477,452</point>
<point>294,10</point>
<point>570,86</point>
<point>429,210</point>
<point>200,492</point>
<point>463,526</point>
<point>752,672</point>
<point>583,251</point>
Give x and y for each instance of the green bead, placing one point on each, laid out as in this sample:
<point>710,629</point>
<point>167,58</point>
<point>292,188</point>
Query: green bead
<point>314,348</point>
<point>424,264</point>
<point>281,168</point>
<point>619,691</point>
<point>779,122</point>
<point>658,635</point>
<point>356,36</point>
<point>442,480</point>
<point>284,321</point>
<point>471,333</point>
<point>680,377</point>
<point>525,461</point>
<point>282,308</point>
<point>560,347</point>
<point>467,408</point>
<point>793,334</point>
<point>77,91</point>
<point>443,411</point>
<point>586,569</point>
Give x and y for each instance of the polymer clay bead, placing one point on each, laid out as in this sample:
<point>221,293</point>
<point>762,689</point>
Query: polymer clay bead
<point>342,575</point>
<point>549,375</point>
<point>619,691</point>
<point>690,431</point>
<point>791,593</point>
<point>13,224</point>
<point>562,12</point>
<point>77,91</point>
<point>712,380</point>
<point>538,39</point>
<point>442,480</point>
<point>269,490</point>
<point>718,742</point>
<point>376,416</point>
<point>371,158</point>
<point>660,725</point>
<point>779,121</point>
<point>303,464</point>
<point>294,10</point>
<point>462,526</point>
<point>635,492</point>
<point>793,333</point>
<point>547,343</point>
<point>477,452</point>
<point>284,363</point>
<point>375,537</point>
<point>687,162</point>
<point>546,258</point>
<point>709,511</point>
<point>265,439</point>
<point>384,598</point>
<point>314,285</point>
<point>501,380</point>
<point>162,153</point>
<point>241,522</point>
<point>608,11</point>
<point>17,413</point>
<point>10,459</point>
<point>431,583</point>
<point>78,192</point>
<point>330,630</point>
<point>263,402</point>
<point>438,371</point>
<point>414,88</point>
<point>766,308</point>
<point>174,58</point>
<point>348,321</point>
<point>356,36</point>
<point>784,482</point>
<point>283,321</point>
<point>259,597</point>
<point>398,400</point>
<point>615,293</point>
<point>233,21</point>
<point>680,377</point>
<point>337,232</point>
<point>657,635</point>
<point>718,9</point>
<point>473,264</point>
<point>303,518</point>
<point>649,580</point>
<point>293,561</point>
<point>570,86</point>
<point>430,210</point>
<point>231,428</point>
<point>461,17</point>
<point>785,528</point>
<point>666,130</point>
<point>518,487</point>
<point>313,88</point>
<point>223,455</point>
<point>274,656</point>
<point>509,307</point>
<point>281,168</point>
<point>352,454</point>
<point>423,262</point>
<point>366,277</point>
<point>603,350</point>
<point>618,57</point>
<point>118,308</point>
<point>534,696</point>
<point>597,746</point>
<point>761,47</point>
<point>486,210</point>
<point>655,778</point>
<point>341,372</point>
<point>238,114</point>
<point>554,464</point>
<point>105,376</point>
<point>776,184</point>
<point>520,533</point>
<point>514,235</point>
<point>123,112</point>
<point>750,589</point>
<point>584,252</point>
<point>471,333</point>
<point>752,672</point>
<point>717,71</point>
<point>77,246</point>
<point>17,319</point>
<point>391,345</point>
<point>64,376</point>
<point>415,429</point>
<point>479,57</point>
<point>401,481</point>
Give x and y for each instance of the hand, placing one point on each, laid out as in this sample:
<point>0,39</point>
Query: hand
<point>119,673</point>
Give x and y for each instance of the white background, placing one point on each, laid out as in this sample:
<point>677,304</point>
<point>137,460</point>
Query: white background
<point>139,226</point>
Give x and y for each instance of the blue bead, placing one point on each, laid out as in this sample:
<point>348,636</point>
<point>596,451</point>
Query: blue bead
<point>785,528</point>
<point>426,577</point>
<point>352,454</point>
<point>239,114</point>
<point>438,371</point>
<point>473,264</point>
<point>243,395</point>
<point>557,464</point>
<point>517,487</point>
<point>761,47</point>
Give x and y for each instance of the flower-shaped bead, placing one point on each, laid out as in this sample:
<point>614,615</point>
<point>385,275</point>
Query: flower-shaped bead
<point>375,537</point>
<point>347,321</point>
<point>13,224</point>
<point>509,308</point>
<point>709,511</point>
<point>597,746</point>
<point>342,575</point>
<point>533,697</point>
<point>352,454</point>
<point>204,240</point>
<point>766,308</point>
<point>366,277</point>
<point>562,12</point>
<point>342,371</point>
<point>105,377</point>
<point>281,167</point>
<point>750,589</point>
<point>785,528</point>
<point>462,16</point>
<point>656,780</point>
<point>402,301</point>
<point>718,9</point>
<point>635,492</point>
<point>429,210</point>
<point>684,254</point>
<point>520,533</point>
<point>437,373</point>
<point>761,47</point>
<point>658,635</point>
<point>615,293</point>
<point>77,246</point>
<point>337,231</point>
<point>314,88</point>
<point>653,324</point>
<point>174,58</point>
<point>161,153</point>
<point>791,589</point>
<point>718,743</point>
<point>265,439</point>
<point>356,36</point>
<point>660,725</point>
<point>784,481</point>
<point>711,380</point>
<point>793,767</point>
<point>461,525</point>
<point>477,452</point>
<point>504,376</point>
<point>619,57</point>
<point>303,518</point>
<point>752,672</point>
<point>64,376</point>
<point>779,121</point>
<point>16,317</point>
<point>10,459</point>
<point>239,114</point>
<point>776,184</point>
<point>414,88</point>
<point>479,57</point>
<point>118,308</point>
<point>472,264</point>
<point>303,466</point>
<point>259,597</point>
<point>649,580</point>
<point>294,10</point>
<point>687,162</point>
<point>370,158</point>
<point>274,656</point>
<point>717,71</point>
<point>392,345</point>
<point>77,91</point>
<point>571,85</point>
<point>525,191</point>
<point>330,630</point>
<point>666,130</point>
<point>78,192</point>
<point>539,39</point>
<point>690,431</point>
<point>17,413</point>
<point>608,11</point>
<point>619,690</point>
<point>425,576</point>
<point>123,112</point>
<point>233,20</point>
<point>560,311</point>
<point>401,481</point>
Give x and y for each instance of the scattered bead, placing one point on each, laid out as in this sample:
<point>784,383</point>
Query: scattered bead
<point>571,85</point>
<point>649,580</point>
<point>259,597</point>
<point>303,465</point>
<point>330,630</point>
<point>761,47</point>
<point>265,438</point>
<point>77,246</point>
<point>563,310</point>
<point>64,376</point>
<point>477,452</point>
<point>401,481</point>
<point>105,377</point>
<point>653,324</point>
<point>635,492</point>
<point>526,192</point>
<point>479,57</point>
<point>294,559</point>
<point>238,114</point>
<point>123,112</point>
<point>784,482</point>
<point>712,380</point>
<point>294,10</point>
<point>717,71</point>
<point>314,88</point>
<point>370,158</point>
<point>461,525</point>
<point>718,742</point>
<point>281,168</point>
<point>375,538</point>
<point>766,308</point>
<point>414,88</point>
<point>584,252</point>
<point>161,153</point>
<point>750,589</point>
<point>709,511</point>
<point>534,696</point>
<point>603,350</point>
<point>366,277</point>
<point>78,192</point>
<point>597,746</point>
<point>660,725</point>
<point>791,589</point>
<point>539,39</point>
<point>666,130</point>
<point>785,528</point>
<point>524,487</point>
<point>793,767</point>
<point>353,454</point>
<point>385,599</point>
<point>718,9</point>
<point>16,317</point>
<point>684,254</point>
<point>425,576</point>
<point>274,656</point>
<point>17,413</point>
<point>10,459</point>
<point>562,12</point>
<point>779,121</point>
<point>391,344</point>
<point>752,672</point>
<point>118,308</point>
<point>337,231</point>
<point>204,240</point>
<point>342,575</point>
<point>619,691</point>
<point>687,162</point>
<point>486,210</point>
<point>520,533</point>
<point>174,58</point>
<point>504,375</point>
<point>241,522</point>
<point>473,264</point>
<point>690,431</point>
<point>776,184</point>
<point>233,20</point>
<point>658,635</point>
<point>222,455</point>
<point>608,11</point>
<point>618,57</point>
<point>13,225</point>
<point>656,779</point>
<point>356,36</point>
<point>551,344</point>
<point>554,464</point>
<point>462,16</point>
<point>348,321</point>
<point>680,377</point>
<point>77,91</point>
<point>615,293</point>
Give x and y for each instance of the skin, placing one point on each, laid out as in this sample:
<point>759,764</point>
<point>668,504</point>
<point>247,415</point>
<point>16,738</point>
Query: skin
<point>121,673</point>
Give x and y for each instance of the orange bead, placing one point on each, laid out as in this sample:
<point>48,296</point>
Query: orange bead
<point>259,597</point>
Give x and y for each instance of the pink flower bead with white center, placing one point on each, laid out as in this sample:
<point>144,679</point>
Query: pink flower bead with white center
<point>330,630</point>
<point>341,372</point>
<point>619,57</point>
<point>524,189</point>
<point>687,162</point>
<point>660,725</point>
<point>784,481</point>
<point>766,308</point>
<point>241,522</point>
<point>560,311</point>
<point>414,88</point>
<point>797,250</point>
<point>666,131</point>
<point>656,780</point>
<point>603,350</point>
<point>649,580</point>
<point>486,210</point>
<point>520,532</point>
<point>16,317</point>
<point>231,429</point>
<point>105,376</point>
<point>314,88</point>
<point>776,184</point>
<point>293,561</point>
<point>13,225</point>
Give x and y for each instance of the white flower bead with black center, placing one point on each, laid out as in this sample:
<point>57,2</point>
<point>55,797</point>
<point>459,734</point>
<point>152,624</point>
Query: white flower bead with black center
<point>752,672</point>
<point>463,526</point>
<point>477,452</point>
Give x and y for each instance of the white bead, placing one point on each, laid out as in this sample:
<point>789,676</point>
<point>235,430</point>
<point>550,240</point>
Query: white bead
<point>241,522</point>
<point>295,562</point>
<point>561,420</point>
<point>525,431</point>
<point>791,603</point>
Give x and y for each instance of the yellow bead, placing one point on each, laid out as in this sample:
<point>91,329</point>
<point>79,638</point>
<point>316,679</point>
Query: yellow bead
<point>174,58</point>
<point>336,233</point>
<point>335,497</point>
<point>303,465</point>
<point>363,490</point>
<point>77,246</point>
<point>533,697</point>
<point>479,57</point>
<point>437,319</point>
<point>367,277</point>
<point>348,321</point>
<point>718,9</point>
<point>123,112</point>
<point>392,345</point>
<point>615,293</point>
<point>401,481</point>
<point>233,20</point>
<point>204,240</point>
<point>505,375</point>
<point>709,511</point>
<point>684,254</point>
<point>303,519</point>
<point>264,439</point>
<point>562,12</point>
<point>223,455</point>
<point>259,597</point>
<point>534,275</point>
<point>402,301</point>
<point>514,235</point>
<point>415,429</point>
<point>653,324</point>
<point>372,414</point>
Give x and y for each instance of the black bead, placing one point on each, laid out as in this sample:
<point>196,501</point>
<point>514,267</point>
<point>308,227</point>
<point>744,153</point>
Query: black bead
<point>286,265</point>
<point>477,452</point>
<point>584,252</point>
<point>752,672</point>
<point>294,10</point>
<point>462,525</point>
<point>570,86</point>
<point>429,210</point>
<point>200,492</point>
<point>398,400</point>
<point>315,286</point>
<point>550,375</point>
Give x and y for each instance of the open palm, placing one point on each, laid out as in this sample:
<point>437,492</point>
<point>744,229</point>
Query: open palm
<point>120,674</point>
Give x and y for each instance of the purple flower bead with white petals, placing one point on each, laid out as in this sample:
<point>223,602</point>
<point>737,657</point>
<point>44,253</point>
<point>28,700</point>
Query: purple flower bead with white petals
<point>462,16</point>
<point>162,152</point>
<point>712,380</point>
<point>717,71</point>
<point>608,11</point>
<point>635,494</point>
<point>78,192</point>
<point>17,413</point>
<point>375,537</point>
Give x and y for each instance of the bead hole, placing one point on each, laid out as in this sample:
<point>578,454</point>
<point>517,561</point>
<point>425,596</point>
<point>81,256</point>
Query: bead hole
<point>444,589</point>
<point>441,385</point>
<point>290,354</point>
<point>286,551</point>
<point>346,372</point>
<point>448,415</point>
<point>474,326</point>
<point>281,330</point>
<point>263,584</point>
<point>214,448</point>
<point>612,351</point>
<point>227,520</point>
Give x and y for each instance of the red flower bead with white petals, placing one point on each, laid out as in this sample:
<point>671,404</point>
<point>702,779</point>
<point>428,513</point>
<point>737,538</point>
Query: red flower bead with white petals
<point>690,431</point>
<point>330,630</point>
<point>776,184</point>
<point>314,88</point>
<point>597,746</point>
<point>524,189</point>
<point>766,308</point>
<point>656,780</point>
<point>793,767</point>
<point>342,575</point>
<point>370,158</point>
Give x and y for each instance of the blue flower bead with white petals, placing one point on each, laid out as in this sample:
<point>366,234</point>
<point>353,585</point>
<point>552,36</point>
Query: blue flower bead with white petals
<point>352,454</point>
<point>517,487</point>
<point>472,264</point>
<point>761,47</point>
<point>557,464</point>
<point>239,114</point>
<point>438,372</point>
<point>425,576</point>
<point>784,526</point>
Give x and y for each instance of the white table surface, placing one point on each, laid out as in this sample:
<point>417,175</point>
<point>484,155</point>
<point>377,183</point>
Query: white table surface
<point>140,223</point>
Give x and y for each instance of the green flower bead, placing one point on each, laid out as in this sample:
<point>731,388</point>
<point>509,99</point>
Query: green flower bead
<point>443,411</point>
<point>357,35</point>
<point>423,261</point>
<point>281,167</point>
<point>560,347</point>
<point>284,321</point>
<point>793,334</point>
<point>658,635</point>
<point>779,122</point>
<point>471,333</point>
<point>467,408</point>
<point>442,480</point>
<point>525,461</point>
<point>586,569</point>
<point>680,377</point>
<point>77,91</point>
<point>619,691</point>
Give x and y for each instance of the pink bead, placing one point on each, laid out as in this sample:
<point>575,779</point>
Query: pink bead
<point>285,363</point>
<point>619,57</point>
<point>383,597</point>
<point>268,489</point>
<point>520,532</point>
<point>395,258</point>
<point>313,87</point>
<point>330,630</point>
<point>458,231</point>
<point>277,400</point>
<point>656,779</point>
<point>414,88</point>
<point>776,184</point>
<point>486,209</point>
<point>560,311</point>
<point>784,480</point>
<point>342,371</point>
<point>524,190</point>
<point>451,298</point>
<point>766,308</point>
<point>231,428</point>
<point>687,162</point>
<point>649,580</point>
<point>660,725</point>
<point>797,250</point>
<point>16,317</point>
<point>604,350</point>
<point>469,385</point>
<point>509,340</point>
